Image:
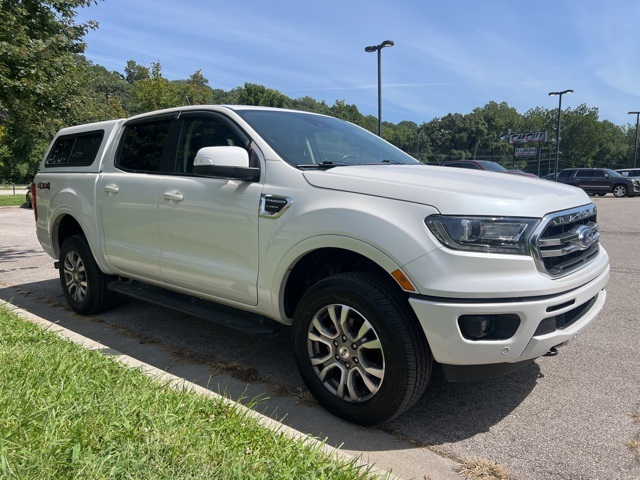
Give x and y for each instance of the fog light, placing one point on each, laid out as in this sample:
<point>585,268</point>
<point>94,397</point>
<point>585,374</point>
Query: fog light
<point>488,327</point>
<point>476,326</point>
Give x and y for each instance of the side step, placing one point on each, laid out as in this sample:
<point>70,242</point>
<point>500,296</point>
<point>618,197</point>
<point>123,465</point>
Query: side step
<point>247,322</point>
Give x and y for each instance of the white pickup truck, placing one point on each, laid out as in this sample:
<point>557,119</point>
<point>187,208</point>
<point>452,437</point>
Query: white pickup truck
<point>381,265</point>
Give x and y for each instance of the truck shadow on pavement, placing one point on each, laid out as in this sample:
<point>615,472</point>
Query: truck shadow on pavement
<point>246,368</point>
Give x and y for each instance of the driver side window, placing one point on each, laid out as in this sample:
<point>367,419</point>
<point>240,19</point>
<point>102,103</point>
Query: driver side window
<point>202,132</point>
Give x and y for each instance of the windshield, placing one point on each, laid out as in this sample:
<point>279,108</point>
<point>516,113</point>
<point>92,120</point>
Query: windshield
<point>613,173</point>
<point>308,140</point>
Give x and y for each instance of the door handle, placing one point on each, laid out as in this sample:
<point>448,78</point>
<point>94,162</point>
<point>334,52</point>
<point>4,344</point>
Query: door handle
<point>174,196</point>
<point>111,188</point>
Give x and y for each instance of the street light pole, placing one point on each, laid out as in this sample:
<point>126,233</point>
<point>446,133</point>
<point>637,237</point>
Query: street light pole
<point>635,147</point>
<point>378,48</point>
<point>553,94</point>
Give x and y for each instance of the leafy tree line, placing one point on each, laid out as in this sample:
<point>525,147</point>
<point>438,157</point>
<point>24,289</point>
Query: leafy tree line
<point>46,83</point>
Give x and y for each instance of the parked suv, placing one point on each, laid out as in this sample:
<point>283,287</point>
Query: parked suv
<point>600,181</point>
<point>629,172</point>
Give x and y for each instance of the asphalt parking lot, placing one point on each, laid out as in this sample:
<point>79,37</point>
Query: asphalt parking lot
<point>573,416</point>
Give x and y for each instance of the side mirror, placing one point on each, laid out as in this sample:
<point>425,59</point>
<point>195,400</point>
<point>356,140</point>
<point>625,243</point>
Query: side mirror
<point>225,162</point>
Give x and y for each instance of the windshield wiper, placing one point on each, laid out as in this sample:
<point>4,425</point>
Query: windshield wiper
<point>326,165</point>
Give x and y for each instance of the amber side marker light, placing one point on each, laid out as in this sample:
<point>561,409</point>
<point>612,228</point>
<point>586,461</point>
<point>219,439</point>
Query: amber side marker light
<point>403,281</point>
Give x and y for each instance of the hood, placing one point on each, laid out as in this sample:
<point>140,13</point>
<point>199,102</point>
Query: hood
<point>453,191</point>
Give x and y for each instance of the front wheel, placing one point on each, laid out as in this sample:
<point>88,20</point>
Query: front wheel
<point>360,349</point>
<point>620,191</point>
<point>83,283</point>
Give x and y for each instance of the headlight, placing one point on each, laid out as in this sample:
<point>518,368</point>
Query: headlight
<point>483,234</point>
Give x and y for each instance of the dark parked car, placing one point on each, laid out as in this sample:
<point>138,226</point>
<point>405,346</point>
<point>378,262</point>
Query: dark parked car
<point>600,181</point>
<point>520,172</point>
<point>483,165</point>
<point>475,165</point>
<point>629,172</point>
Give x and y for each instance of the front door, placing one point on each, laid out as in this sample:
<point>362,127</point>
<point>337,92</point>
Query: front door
<point>208,227</point>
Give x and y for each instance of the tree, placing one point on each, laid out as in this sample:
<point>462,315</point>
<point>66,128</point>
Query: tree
<point>195,91</point>
<point>154,93</point>
<point>135,72</point>
<point>40,76</point>
<point>259,95</point>
<point>343,110</point>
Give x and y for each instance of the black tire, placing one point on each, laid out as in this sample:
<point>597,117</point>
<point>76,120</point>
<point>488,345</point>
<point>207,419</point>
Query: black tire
<point>83,283</point>
<point>381,353</point>
<point>620,191</point>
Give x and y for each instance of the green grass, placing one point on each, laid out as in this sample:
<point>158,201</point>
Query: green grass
<point>12,200</point>
<point>67,412</point>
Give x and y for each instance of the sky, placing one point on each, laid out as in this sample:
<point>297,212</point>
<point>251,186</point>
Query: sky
<point>450,56</point>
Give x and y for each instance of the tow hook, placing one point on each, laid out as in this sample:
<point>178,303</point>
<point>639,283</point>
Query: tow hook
<point>551,353</point>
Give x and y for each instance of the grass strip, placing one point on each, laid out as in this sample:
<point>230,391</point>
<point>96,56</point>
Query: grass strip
<point>69,413</point>
<point>12,200</point>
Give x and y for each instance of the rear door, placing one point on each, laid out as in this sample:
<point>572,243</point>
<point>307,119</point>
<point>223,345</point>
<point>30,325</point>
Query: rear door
<point>127,193</point>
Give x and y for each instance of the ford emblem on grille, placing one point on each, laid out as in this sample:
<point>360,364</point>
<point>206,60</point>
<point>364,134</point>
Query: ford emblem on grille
<point>585,237</point>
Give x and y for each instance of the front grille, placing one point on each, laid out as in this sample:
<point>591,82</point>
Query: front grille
<point>566,241</point>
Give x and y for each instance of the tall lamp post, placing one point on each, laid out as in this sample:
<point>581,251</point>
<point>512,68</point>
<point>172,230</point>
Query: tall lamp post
<point>378,48</point>
<point>635,147</point>
<point>553,94</point>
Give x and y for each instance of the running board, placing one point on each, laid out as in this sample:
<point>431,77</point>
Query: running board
<point>247,322</point>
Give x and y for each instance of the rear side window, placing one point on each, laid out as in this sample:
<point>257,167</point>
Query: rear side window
<point>75,150</point>
<point>143,146</point>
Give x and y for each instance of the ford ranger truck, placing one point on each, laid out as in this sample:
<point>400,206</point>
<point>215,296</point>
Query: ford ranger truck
<point>381,266</point>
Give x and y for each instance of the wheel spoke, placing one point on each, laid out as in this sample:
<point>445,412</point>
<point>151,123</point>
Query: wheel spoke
<point>321,360</point>
<point>370,384</point>
<point>322,329</point>
<point>371,371</point>
<point>372,345</point>
<point>344,318</point>
<point>364,329</point>
<point>331,310</point>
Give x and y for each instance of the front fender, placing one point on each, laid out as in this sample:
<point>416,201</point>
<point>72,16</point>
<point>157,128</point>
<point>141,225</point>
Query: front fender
<point>274,287</point>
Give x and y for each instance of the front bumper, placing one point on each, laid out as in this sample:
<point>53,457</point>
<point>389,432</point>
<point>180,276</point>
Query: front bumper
<point>439,320</point>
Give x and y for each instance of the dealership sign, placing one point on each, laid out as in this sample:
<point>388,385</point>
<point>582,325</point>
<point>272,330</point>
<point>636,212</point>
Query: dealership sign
<point>527,152</point>
<point>531,137</point>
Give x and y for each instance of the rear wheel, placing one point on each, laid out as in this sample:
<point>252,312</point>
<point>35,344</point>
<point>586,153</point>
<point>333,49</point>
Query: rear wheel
<point>360,349</point>
<point>83,283</point>
<point>620,190</point>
